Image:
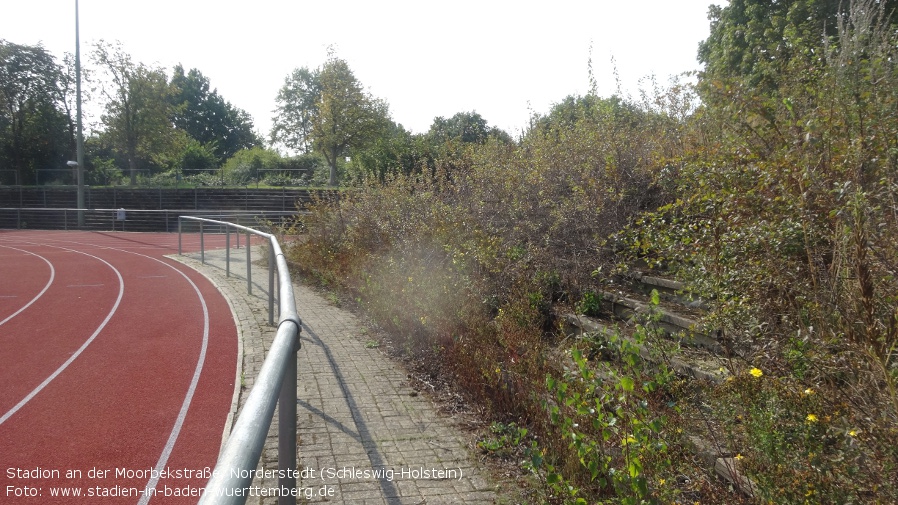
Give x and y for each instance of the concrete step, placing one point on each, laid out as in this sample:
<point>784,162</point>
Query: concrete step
<point>686,329</point>
<point>670,289</point>
<point>697,364</point>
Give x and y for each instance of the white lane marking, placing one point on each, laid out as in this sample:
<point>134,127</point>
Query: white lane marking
<point>188,398</point>
<point>73,357</point>
<point>52,276</point>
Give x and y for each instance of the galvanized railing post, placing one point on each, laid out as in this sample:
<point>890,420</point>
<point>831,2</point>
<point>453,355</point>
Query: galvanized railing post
<point>228,251</point>
<point>270,285</point>
<point>179,236</point>
<point>287,428</point>
<point>249,272</point>
<point>202,246</point>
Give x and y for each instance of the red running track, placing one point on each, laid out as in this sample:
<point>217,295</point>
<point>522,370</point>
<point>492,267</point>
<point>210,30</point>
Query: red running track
<point>117,368</point>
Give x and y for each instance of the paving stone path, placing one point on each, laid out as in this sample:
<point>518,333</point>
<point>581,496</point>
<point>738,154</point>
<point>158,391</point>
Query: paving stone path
<point>365,437</point>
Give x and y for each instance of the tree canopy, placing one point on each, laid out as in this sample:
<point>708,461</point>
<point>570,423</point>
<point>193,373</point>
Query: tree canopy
<point>207,117</point>
<point>296,105</point>
<point>327,111</point>
<point>138,108</point>
<point>463,126</point>
<point>33,126</point>
<point>149,124</point>
<point>753,42</point>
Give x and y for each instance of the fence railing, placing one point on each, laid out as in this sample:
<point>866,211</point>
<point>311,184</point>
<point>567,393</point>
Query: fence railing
<point>117,219</point>
<point>275,385</point>
<point>159,198</point>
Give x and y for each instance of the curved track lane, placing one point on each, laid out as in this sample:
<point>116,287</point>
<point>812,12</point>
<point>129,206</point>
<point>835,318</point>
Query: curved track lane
<point>24,355</point>
<point>148,390</point>
<point>15,285</point>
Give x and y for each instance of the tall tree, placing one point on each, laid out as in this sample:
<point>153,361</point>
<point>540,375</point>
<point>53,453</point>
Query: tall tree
<point>347,115</point>
<point>395,151</point>
<point>468,127</point>
<point>343,116</point>
<point>297,104</point>
<point>753,42</point>
<point>207,117</point>
<point>449,143</point>
<point>32,126</point>
<point>138,110</point>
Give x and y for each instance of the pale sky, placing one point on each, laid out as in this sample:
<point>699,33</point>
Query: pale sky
<point>502,59</point>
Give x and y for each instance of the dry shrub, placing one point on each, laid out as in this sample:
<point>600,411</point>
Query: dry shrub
<point>787,220</point>
<point>469,259</point>
<point>781,210</point>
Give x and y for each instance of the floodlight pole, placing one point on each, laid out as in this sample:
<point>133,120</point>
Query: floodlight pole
<point>80,139</point>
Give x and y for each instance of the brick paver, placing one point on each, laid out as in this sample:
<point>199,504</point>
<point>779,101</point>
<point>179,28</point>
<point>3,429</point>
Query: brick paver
<point>364,436</point>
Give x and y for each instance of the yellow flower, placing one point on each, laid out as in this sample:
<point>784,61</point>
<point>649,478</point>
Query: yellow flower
<point>852,433</point>
<point>739,457</point>
<point>809,391</point>
<point>812,418</point>
<point>661,482</point>
<point>756,372</point>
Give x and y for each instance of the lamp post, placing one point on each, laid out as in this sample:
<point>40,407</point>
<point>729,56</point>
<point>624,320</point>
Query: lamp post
<point>79,164</point>
<point>80,172</point>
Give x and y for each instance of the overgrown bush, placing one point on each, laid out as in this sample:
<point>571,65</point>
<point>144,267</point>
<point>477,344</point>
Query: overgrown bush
<point>465,264</point>
<point>248,166</point>
<point>103,172</point>
<point>787,220</point>
<point>778,206</point>
<point>205,179</point>
<point>259,165</point>
<point>615,420</point>
<point>163,179</point>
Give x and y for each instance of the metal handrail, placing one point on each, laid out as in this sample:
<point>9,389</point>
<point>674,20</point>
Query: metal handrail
<point>277,382</point>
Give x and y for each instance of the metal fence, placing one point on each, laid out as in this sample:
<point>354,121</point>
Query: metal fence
<point>275,385</point>
<point>197,198</point>
<point>124,219</point>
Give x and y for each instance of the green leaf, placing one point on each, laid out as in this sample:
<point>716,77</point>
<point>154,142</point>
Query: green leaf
<point>634,467</point>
